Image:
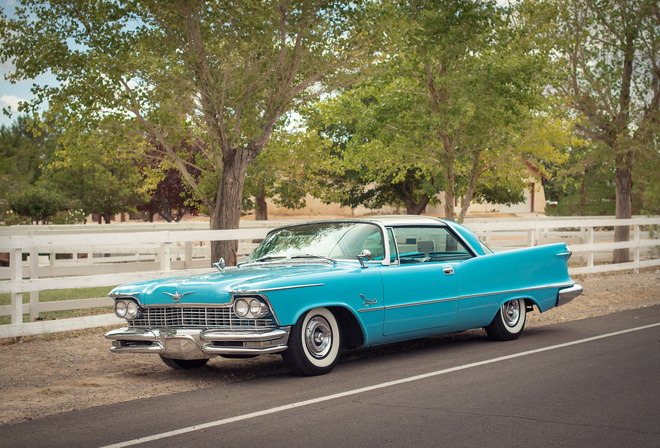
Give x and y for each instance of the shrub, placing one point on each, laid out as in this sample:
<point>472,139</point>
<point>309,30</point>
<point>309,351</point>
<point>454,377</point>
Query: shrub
<point>36,203</point>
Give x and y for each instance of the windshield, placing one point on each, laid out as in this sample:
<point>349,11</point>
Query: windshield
<point>336,241</point>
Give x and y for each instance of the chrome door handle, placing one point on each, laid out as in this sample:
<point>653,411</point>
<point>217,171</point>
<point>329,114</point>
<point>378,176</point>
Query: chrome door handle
<point>448,270</point>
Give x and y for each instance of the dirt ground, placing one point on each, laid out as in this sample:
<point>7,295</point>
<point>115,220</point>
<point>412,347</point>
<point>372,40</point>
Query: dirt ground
<point>46,375</point>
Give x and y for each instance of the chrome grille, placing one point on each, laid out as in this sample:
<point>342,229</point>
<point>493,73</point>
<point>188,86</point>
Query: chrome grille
<point>220,318</point>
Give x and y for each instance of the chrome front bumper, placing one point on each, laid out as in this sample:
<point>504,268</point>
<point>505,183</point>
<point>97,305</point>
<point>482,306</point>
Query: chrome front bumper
<point>567,294</point>
<point>197,343</point>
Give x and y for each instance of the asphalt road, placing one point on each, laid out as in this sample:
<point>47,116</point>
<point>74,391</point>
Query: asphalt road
<point>589,383</point>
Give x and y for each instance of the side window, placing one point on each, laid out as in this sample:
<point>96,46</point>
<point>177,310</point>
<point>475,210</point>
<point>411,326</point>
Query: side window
<point>374,243</point>
<point>428,245</point>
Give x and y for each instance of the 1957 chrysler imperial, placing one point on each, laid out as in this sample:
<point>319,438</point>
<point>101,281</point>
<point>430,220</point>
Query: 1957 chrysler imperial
<point>309,291</point>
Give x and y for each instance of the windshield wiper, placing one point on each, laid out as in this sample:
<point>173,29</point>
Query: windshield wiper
<point>269,258</point>
<point>314,256</point>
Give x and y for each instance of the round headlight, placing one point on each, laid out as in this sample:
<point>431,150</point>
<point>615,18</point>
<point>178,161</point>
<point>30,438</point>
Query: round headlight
<point>120,308</point>
<point>131,310</point>
<point>255,308</point>
<point>241,308</point>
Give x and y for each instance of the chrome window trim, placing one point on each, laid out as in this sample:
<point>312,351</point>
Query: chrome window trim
<point>442,225</point>
<point>380,225</point>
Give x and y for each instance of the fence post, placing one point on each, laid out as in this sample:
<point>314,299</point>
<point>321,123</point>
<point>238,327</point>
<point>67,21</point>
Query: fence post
<point>636,233</point>
<point>34,274</point>
<point>590,242</point>
<point>165,260</point>
<point>188,255</point>
<point>16,265</point>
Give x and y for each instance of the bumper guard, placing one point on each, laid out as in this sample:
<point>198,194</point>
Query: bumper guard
<point>567,294</point>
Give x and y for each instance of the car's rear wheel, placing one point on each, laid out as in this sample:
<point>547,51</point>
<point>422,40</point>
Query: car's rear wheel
<point>184,363</point>
<point>509,321</point>
<point>314,343</point>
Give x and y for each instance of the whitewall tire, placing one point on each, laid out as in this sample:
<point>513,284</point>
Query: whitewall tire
<point>314,343</point>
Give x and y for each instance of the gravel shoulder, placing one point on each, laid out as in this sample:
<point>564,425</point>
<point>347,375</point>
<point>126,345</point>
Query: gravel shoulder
<point>50,374</point>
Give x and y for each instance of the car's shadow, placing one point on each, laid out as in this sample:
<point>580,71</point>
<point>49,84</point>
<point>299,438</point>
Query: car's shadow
<point>239,370</point>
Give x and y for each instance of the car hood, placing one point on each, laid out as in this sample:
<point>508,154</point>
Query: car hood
<point>216,287</point>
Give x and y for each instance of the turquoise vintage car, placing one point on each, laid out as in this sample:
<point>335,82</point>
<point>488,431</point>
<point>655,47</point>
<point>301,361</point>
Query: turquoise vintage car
<point>311,290</point>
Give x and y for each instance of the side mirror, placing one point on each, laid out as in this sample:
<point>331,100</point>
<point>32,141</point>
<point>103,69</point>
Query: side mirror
<point>220,265</point>
<point>366,253</point>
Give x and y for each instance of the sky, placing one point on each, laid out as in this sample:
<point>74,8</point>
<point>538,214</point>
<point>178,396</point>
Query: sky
<point>11,94</point>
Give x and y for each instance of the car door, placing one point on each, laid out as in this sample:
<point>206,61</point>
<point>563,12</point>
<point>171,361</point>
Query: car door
<point>420,287</point>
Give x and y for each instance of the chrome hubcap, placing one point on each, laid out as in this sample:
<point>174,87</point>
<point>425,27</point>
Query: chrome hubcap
<point>318,337</point>
<point>511,312</point>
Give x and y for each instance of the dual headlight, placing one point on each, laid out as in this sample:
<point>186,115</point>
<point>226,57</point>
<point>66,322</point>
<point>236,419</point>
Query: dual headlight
<point>127,309</point>
<point>250,308</point>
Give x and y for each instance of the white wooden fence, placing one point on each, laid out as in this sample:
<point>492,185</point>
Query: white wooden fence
<point>70,257</point>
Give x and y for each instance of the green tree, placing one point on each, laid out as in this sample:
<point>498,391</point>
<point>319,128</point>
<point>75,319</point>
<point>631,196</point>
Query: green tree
<point>608,55</point>
<point>227,71</point>
<point>457,105</point>
<point>103,183</point>
<point>583,185</point>
<point>37,203</point>
<point>169,195</point>
<point>278,173</point>
<point>374,156</point>
<point>25,147</point>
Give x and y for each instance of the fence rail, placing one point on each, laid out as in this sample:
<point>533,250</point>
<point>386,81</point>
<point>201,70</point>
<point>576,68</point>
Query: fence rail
<point>79,257</point>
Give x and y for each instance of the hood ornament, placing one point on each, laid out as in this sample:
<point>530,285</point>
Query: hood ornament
<point>176,296</point>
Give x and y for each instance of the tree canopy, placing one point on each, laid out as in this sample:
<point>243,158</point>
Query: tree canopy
<point>227,71</point>
<point>406,98</point>
<point>608,61</point>
<point>456,106</point>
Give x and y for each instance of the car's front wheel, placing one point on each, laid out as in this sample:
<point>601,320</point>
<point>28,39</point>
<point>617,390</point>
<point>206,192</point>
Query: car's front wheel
<point>509,321</point>
<point>184,363</point>
<point>314,343</point>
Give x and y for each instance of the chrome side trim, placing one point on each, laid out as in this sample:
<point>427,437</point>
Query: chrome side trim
<point>470,296</point>
<point>566,254</point>
<point>566,295</point>
<point>125,294</point>
<point>368,310</point>
<point>282,288</point>
<point>427,302</point>
<point>512,291</point>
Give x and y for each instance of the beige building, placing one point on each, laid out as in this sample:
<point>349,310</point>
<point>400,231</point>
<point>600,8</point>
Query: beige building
<point>534,203</point>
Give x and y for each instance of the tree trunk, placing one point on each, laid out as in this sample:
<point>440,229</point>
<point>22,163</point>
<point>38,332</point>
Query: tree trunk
<point>467,200</point>
<point>418,208</point>
<point>472,184</point>
<point>107,217</point>
<point>260,207</point>
<point>623,182</point>
<point>228,206</point>
<point>450,194</point>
